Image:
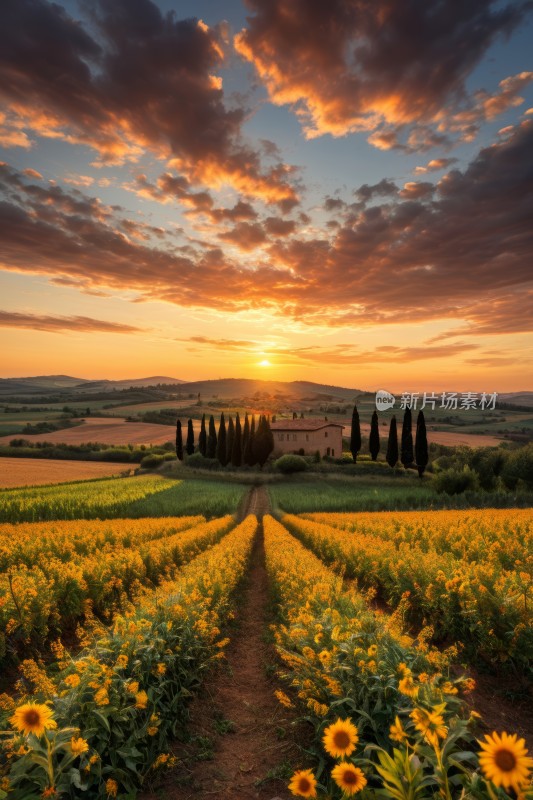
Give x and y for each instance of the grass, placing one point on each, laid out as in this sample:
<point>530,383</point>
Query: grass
<point>142,496</point>
<point>377,493</point>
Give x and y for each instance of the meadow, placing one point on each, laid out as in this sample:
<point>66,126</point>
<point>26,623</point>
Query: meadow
<point>117,605</point>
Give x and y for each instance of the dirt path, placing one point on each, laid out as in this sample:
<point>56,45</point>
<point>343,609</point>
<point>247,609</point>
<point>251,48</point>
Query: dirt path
<point>236,717</point>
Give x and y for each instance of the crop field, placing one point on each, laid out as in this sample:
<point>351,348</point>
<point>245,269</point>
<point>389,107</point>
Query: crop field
<point>350,662</point>
<point>140,496</point>
<point>105,430</point>
<point>35,472</point>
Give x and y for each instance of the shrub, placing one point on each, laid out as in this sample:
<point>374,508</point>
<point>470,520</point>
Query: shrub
<point>198,461</point>
<point>518,466</point>
<point>152,461</point>
<point>456,481</point>
<point>290,463</point>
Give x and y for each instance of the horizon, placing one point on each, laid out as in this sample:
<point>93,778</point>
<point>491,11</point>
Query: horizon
<point>292,191</point>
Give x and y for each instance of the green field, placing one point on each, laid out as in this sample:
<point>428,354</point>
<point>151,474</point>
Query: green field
<point>142,496</point>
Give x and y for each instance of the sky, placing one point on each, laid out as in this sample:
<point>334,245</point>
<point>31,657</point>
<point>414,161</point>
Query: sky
<point>337,192</point>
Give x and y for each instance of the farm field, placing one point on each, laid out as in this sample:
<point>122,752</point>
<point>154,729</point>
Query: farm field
<point>38,471</point>
<point>376,619</point>
<point>105,430</point>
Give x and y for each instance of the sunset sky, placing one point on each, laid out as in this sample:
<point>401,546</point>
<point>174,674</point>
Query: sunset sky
<point>335,191</point>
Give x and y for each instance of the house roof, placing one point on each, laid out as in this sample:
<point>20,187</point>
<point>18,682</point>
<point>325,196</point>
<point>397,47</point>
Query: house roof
<point>303,425</point>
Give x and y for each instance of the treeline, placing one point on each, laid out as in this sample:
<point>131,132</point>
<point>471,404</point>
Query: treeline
<point>237,444</point>
<point>410,454</point>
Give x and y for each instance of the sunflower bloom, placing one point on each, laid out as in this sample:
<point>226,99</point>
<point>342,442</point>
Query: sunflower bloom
<point>303,783</point>
<point>111,787</point>
<point>504,760</point>
<point>407,686</point>
<point>78,746</point>
<point>396,732</point>
<point>33,718</point>
<point>430,724</point>
<point>340,738</point>
<point>141,699</point>
<point>348,778</point>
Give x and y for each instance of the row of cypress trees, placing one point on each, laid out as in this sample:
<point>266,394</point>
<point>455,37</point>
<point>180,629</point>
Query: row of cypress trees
<point>234,444</point>
<point>409,456</point>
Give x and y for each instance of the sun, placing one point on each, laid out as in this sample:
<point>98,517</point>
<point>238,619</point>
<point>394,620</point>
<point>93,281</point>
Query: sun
<point>265,363</point>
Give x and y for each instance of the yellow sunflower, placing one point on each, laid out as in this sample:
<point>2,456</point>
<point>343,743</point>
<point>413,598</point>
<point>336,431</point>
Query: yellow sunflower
<point>33,718</point>
<point>407,686</point>
<point>303,783</point>
<point>504,760</point>
<point>78,746</point>
<point>340,738</point>
<point>430,724</point>
<point>349,778</point>
<point>396,732</point>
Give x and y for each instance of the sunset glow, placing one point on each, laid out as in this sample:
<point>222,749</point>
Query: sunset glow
<point>179,180</point>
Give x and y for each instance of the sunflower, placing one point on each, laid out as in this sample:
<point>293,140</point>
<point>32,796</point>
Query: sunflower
<point>430,724</point>
<point>33,718</point>
<point>396,732</point>
<point>78,746</point>
<point>504,760</point>
<point>407,686</point>
<point>111,787</point>
<point>349,778</point>
<point>340,738</point>
<point>303,783</point>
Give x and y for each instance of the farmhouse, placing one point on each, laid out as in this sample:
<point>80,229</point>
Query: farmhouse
<point>309,435</point>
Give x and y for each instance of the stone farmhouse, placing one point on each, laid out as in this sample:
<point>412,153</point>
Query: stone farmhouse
<point>309,435</point>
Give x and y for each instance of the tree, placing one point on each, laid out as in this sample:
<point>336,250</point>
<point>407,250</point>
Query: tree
<point>245,437</point>
<point>221,441</point>
<point>202,439</point>
<point>179,441</point>
<point>249,446</point>
<point>421,444</point>
<point>407,455</point>
<point>373,442</point>
<point>229,439</point>
<point>392,444</point>
<point>236,450</point>
<point>189,446</point>
<point>212,439</point>
<point>263,441</point>
<point>355,435</point>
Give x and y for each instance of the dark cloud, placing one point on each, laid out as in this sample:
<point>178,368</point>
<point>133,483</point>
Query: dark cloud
<point>134,78</point>
<point>460,251</point>
<point>375,65</point>
<point>50,324</point>
<point>385,187</point>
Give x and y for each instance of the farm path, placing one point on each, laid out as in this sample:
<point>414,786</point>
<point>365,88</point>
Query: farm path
<point>238,696</point>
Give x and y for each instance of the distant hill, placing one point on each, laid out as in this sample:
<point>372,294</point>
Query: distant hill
<point>248,387</point>
<point>518,398</point>
<point>51,384</point>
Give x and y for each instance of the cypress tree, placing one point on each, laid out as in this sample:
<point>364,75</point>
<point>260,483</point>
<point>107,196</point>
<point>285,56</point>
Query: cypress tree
<point>229,439</point>
<point>245,437</point>
<point>373,442</point>
<point>221,441</point>
<point>392,444</point>
<point>421,444</point>
<point>263,441</point>
<point>249,447</point>
<point>236,450</point>
<point>355,435</point>
<point>407,455</point>
<point>189,446</point>
<point>179,441</point>
<point>212,439</point>
<point>202,439</point>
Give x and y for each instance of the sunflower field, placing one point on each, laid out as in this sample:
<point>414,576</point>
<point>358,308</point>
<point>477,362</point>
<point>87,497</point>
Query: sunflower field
<point>102,725</point>
<point>467,576</point>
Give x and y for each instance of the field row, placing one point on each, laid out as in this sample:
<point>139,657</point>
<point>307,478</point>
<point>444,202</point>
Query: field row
<point>384,715</point>
<point>109,715</point>
<point>45,595</point>
<point>461,589</point>
<point>134,497</point>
